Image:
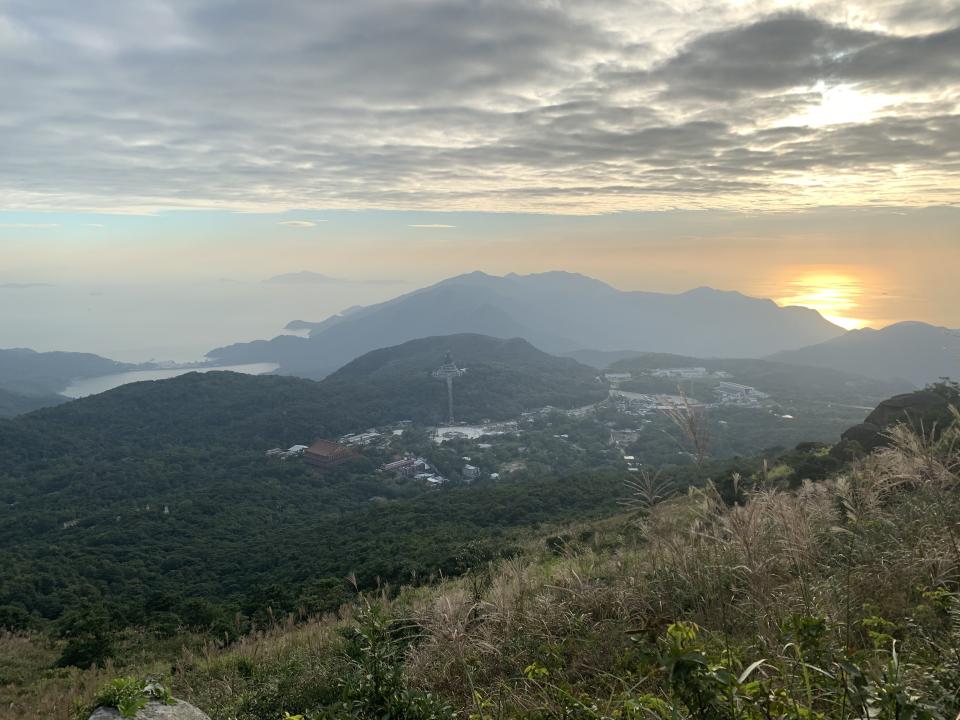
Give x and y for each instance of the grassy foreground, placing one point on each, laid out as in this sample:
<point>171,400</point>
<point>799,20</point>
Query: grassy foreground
<point>830,600</point>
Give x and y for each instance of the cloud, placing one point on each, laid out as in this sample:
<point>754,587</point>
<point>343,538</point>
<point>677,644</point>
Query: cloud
<point>34,226</point>
<point>795,50</point>
<point>524,105</point>
<point>298,223</point>
<point>432,226</point>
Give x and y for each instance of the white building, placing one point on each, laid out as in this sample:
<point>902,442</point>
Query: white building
<point>734,393</point>
<point>362,439</point>
<point>682,372</point>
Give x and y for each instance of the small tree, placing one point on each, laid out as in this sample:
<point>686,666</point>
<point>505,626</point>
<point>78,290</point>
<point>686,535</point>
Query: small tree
<point>89,638</point>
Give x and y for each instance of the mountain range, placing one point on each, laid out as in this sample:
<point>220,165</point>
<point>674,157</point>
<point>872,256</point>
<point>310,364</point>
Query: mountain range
<point>556,311</point>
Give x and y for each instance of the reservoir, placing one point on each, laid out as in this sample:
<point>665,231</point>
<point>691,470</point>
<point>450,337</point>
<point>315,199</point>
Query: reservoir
<point>92,386</point>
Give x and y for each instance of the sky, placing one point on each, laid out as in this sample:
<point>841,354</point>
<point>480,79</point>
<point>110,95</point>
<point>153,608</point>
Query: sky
<point>801,150</point>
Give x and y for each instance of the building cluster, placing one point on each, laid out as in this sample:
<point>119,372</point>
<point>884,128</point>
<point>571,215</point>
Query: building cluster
<point>364,439</point>
<point>474,432</point>
<point>642,404</point>
<point>418,468</point>
<point>406,468</point>
<point>621,438</point>
<point>735,394</point>
<point>280,453</point>
<point>322,454</point>
<point>688,373</point>
<point>413,468</point>
<point>681,373</point>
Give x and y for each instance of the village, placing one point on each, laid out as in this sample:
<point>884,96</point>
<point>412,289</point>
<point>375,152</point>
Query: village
<point>642,404</point>
<point>412,452</point>
<point>464,452</point>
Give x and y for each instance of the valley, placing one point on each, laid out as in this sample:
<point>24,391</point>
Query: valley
<point>175,468</point>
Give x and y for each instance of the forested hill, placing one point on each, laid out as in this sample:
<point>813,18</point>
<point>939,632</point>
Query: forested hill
<point>502,378</point>
<point>26,372</point>
<point>12,404</point>
<point>160,490</point>
<point>193,410</point>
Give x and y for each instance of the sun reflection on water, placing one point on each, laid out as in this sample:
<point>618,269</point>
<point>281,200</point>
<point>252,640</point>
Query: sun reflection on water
<point>836,296</point>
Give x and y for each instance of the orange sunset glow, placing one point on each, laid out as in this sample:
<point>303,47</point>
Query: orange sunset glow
<point>836,296</point>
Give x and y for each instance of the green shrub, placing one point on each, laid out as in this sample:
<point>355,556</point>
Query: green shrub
<point>128,695</point>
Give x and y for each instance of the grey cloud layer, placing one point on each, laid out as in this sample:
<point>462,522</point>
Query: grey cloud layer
<point>489,104</point>
<point>795,50</point>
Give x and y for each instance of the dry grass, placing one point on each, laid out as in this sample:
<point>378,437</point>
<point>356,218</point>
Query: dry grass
<point>30,689</point>
<point>867,539</point>
<point>862,543</point>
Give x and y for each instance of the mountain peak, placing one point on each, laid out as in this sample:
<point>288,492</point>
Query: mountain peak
<point>916,351</point>
<point>706,291</point>
<point>912,325</point>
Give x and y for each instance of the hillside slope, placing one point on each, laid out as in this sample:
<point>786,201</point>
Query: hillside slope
<point>557,312</point>
<point>160,489</point>
<point>913,351</point>
<point>784,381</point>
<point>229,409</point>
<point>503,378</point>
<point>27,372</point>
<point>13,404</point>
<point>750,598</point>
<point>801,404</point>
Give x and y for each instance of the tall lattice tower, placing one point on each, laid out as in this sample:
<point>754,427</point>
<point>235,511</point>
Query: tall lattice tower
<point>448,371</point>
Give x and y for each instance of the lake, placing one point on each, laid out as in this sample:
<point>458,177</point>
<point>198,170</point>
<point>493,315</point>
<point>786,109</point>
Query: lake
<point>92,386</point>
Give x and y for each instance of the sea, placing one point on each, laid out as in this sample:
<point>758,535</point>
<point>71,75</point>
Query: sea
<point>168,323</point>
<point>92,386</point>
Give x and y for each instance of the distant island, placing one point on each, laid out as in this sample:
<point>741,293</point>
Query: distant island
<point>304,277</point>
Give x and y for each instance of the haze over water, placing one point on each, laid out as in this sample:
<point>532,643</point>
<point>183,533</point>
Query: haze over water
<point>181,320</point>
<point>177,322</point>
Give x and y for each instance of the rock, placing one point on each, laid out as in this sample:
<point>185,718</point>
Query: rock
<point>923,409</point>
<point>867,435</point>
<point>155,711</point>
<point>915,406</point>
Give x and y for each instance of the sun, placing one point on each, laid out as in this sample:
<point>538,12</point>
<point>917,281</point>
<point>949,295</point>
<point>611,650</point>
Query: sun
<point>836,296</point>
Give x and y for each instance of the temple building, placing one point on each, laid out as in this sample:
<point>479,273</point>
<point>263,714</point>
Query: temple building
<point>326,454</point>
